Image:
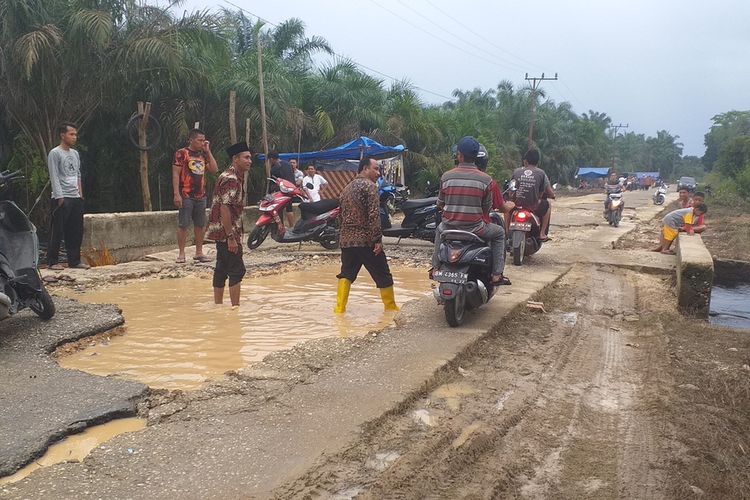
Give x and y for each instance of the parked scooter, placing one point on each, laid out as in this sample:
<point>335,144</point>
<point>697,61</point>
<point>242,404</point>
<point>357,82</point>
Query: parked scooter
<point>616,206</point>
<point>464,274</point>
<point>317,223</point>
<point>421,217</point>
<point>392,196</point>
<point>21,284</point>
<point>660,195</point>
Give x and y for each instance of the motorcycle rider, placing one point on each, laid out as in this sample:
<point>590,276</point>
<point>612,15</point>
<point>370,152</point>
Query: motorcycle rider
<point>533,190</point>
<point>613,185</point>
<point>465,197</point>
<point>498,202</point>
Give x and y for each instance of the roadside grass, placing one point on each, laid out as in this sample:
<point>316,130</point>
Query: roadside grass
<point>728,231</point>
<point>710,409</point>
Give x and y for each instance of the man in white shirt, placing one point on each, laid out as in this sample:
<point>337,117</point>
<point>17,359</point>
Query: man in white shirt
<point>313,183</point>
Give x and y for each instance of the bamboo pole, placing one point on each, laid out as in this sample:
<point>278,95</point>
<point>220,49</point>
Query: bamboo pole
<point>232,117</point>
<point>144,111</point>
<point>263,110</point>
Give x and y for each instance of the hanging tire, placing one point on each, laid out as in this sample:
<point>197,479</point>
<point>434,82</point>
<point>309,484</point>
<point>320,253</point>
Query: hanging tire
<point>257,236</point>
<point>455,309</point>
<point>43,305</point>
<point>518,247</point>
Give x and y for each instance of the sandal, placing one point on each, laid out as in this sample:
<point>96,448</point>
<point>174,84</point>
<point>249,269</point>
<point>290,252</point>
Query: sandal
<point>499,281</point>
<point>202,258</point>
<point>180,260</point>
<point>56,267</point>
<point>545,239</point>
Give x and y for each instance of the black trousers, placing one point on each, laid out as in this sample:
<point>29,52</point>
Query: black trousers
<point>228,265</point>
<point>353,258</point>
<point>66,223</point>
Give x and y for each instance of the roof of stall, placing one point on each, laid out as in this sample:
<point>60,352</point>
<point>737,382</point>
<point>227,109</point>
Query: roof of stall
<point>592,172</point>
<point>354,150</point>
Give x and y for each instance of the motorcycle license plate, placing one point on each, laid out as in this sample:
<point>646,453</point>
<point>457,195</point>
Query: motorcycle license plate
<point>521,226</point>
<point>450,276</point>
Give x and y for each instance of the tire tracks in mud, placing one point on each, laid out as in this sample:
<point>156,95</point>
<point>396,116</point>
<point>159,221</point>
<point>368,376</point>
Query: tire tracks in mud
<point>557,408</point>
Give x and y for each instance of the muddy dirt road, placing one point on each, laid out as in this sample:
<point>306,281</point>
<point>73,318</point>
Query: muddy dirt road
<point>575,402</point>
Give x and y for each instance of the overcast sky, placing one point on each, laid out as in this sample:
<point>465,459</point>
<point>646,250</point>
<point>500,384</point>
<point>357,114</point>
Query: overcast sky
<point>652,64</point>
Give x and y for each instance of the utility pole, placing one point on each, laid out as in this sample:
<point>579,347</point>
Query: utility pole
<point>264,129</point>
<point>614,136</point>
<point>534,84</point>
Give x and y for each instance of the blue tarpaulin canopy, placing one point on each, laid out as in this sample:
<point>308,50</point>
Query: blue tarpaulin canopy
<point>354,150</point>
<point>643,175</point>
<point>592,172</point>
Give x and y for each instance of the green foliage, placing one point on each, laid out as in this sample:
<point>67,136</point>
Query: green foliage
<point>90,62</point>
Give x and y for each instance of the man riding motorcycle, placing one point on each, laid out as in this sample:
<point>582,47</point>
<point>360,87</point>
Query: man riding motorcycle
<point>533,190</point>
<point>465,197</point>
<point>613,185</point>
<point>498,202</point>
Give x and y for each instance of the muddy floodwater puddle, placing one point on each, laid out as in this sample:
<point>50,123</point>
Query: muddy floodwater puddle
<point>175,337</point>
<point>730,306</point>
<point>76,447</point>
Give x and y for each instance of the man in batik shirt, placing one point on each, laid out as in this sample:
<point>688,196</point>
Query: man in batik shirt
<point>361,238</point>
<point>225,224</point>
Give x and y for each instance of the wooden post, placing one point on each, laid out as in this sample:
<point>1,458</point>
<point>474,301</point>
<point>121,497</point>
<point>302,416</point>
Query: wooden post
<point>144,111</point>
<point>232,121</point>
<point>247,141</point>
<point>263,110</point>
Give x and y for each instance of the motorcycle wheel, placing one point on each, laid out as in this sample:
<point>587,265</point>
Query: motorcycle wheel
<point>613,218</point>
<point>455,309</point>
<point>389,202</point>
<point>257,236</point>
<point>43,305</point>
<point>518,247</point>
<point>660,200</point>
<point>330,243</point>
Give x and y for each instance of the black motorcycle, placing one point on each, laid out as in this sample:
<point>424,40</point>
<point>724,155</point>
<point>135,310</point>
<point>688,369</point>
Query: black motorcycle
<point>421,217</point>
<point>464,274</point>
<point>21,284</point>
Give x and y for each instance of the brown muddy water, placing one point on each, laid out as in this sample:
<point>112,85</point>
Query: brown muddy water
<point>175,337</point>
<point>75,448</point>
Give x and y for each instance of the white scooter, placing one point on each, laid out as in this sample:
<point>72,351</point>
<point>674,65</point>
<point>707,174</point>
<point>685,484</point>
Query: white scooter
<point>660,195</point>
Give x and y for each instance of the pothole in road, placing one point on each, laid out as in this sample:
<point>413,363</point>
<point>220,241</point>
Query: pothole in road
<point>75,448</point>
<point>174,337</point>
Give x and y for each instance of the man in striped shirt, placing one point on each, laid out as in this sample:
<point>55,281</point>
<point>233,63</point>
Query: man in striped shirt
<point>466,199</point>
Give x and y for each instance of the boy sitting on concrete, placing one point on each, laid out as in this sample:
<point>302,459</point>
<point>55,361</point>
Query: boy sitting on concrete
<point>674,221</point>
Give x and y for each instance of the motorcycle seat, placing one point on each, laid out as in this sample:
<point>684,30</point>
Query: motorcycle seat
<point>310,210</point>
<point>458,235</point>
<point>424,202</point>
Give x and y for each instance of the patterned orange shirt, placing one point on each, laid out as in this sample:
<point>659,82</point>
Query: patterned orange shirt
<point>192,172</point>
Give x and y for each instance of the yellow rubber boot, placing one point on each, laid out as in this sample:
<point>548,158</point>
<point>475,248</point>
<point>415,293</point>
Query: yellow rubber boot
<point>342,295</point>
<point>389,301</point>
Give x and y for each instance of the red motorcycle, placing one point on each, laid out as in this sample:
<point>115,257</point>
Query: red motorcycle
<point>318,221</point>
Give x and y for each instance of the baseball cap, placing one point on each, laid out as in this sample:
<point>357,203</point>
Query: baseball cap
<point>468,146</point>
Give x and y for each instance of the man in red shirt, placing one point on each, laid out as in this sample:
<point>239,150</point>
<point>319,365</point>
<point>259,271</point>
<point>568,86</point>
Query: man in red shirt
<point>189,188</point>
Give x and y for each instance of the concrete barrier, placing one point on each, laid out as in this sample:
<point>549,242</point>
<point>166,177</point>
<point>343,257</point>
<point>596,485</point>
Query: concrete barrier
<point>695,276</point>
<point>131,236</point>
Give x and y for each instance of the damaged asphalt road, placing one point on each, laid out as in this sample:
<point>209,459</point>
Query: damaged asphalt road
<point>50,401</point>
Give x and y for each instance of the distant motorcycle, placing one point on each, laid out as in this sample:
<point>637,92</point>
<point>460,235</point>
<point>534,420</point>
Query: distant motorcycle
<point>463,275</point>
<point>392,196</point>
<point>317,223</point>
<point>614,211</point>
<point>21,284</point>
<point>660,195</point>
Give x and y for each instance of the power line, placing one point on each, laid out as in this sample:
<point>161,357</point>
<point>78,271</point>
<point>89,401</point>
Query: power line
<point>344,57</point>
<point>479,35</point>
<point>459,38</point>
<point>429,33</point>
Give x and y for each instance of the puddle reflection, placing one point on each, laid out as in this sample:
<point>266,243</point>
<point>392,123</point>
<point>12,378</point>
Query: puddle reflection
<point>176,338</point>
